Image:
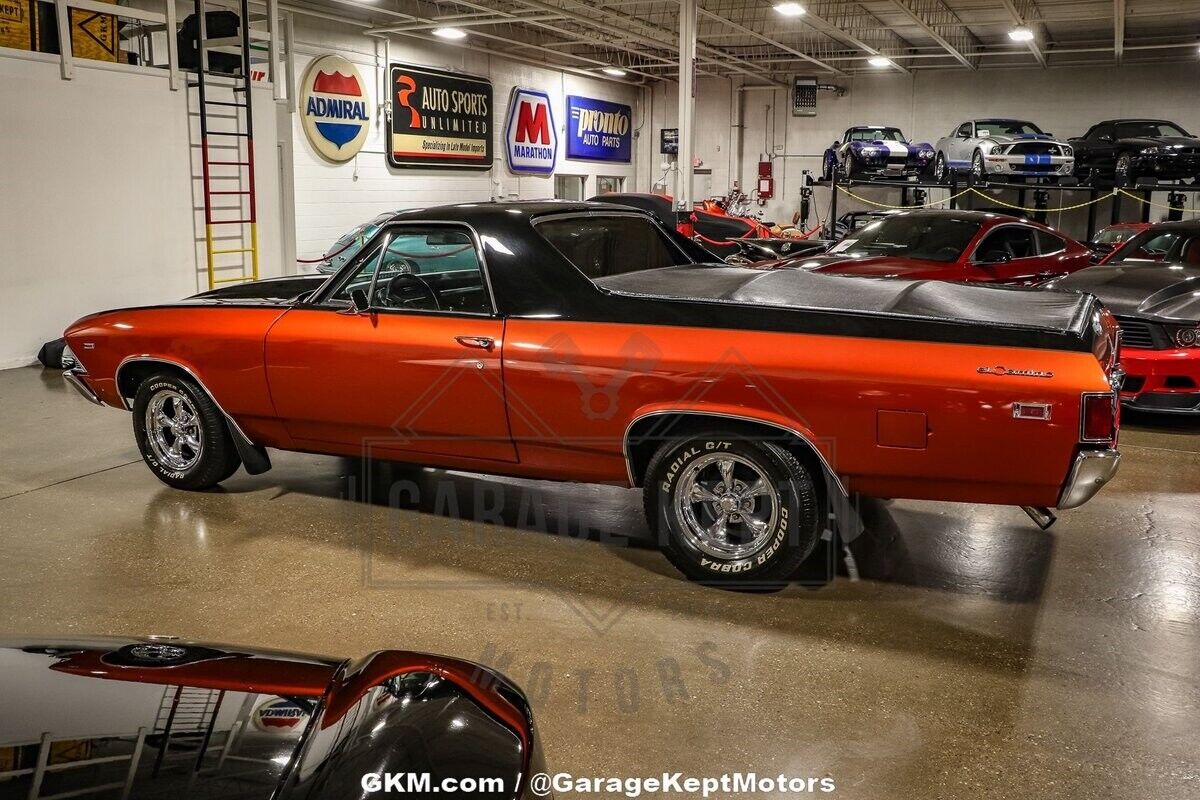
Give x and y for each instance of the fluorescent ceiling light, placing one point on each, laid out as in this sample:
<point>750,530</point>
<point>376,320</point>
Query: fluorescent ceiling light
<point>450,33</point>
<point>790,9</point>
<point>616,72</point>
<point>879,61</point>
<point>1021,35</point>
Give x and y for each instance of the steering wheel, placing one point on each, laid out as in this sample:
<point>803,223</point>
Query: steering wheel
<point>395,287</point>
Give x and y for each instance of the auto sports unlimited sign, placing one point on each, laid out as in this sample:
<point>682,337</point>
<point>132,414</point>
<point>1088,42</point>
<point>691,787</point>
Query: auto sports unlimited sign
<point>439,119</point>
<point>334,108</point>
<point>598,130</point>
<point>530,138</point>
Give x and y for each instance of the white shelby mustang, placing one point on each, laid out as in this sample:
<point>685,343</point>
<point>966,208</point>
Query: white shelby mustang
<point>876,150</point>
<point>1002,147</point>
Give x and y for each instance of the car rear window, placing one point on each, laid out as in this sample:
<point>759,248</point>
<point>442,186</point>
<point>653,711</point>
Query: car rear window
<point>600,246</point>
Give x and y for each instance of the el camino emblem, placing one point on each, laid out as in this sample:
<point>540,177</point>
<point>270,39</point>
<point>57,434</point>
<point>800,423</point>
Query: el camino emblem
<point>1020,373</point>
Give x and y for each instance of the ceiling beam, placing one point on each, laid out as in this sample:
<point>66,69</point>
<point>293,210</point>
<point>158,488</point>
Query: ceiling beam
<point>1022,13</point>
<point>655,36</point>
<point>1118,30</point>
<point>944,27</point>
<point>756,35</point>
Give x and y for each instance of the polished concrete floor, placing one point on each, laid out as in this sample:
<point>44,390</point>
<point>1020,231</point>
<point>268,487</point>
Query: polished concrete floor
<point>971,655</point>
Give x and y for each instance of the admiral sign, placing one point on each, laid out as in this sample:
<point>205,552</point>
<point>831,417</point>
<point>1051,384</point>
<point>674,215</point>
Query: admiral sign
<point>439,119</point>
<point>530,138</point>
<point>333,108</point>
<point>280,716</point>
<point>598,130</point>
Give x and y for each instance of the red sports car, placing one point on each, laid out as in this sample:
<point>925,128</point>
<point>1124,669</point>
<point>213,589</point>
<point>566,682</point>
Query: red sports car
<point>1152,284</point>
<point>972,246</point>
<point>584,342</point>
<point>1107,240</point>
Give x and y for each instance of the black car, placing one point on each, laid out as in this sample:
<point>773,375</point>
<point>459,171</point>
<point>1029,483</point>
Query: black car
<point>1123,150</point>
<point>160,717</point>
<point>1151,284</point>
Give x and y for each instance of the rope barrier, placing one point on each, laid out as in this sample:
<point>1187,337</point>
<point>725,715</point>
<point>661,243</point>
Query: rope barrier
<point>998,201</point>
<point>1156,205</point>
<point>846,191</point>
<point>327,256</point>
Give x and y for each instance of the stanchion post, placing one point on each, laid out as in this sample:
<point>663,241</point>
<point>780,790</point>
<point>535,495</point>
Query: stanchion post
<point>1094,197</point>
<point>833,202</point>
<point>1176,201</point>
<point>953,190</point>
<point>1147,197</point>
<point>1116,206</point>
<point>1041,201</point>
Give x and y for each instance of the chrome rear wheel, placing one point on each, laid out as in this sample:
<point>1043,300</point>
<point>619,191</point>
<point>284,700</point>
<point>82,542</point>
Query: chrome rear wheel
<point>727,506</point>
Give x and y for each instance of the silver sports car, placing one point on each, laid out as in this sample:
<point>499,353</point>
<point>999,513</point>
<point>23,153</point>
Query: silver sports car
<point>1002,148</point>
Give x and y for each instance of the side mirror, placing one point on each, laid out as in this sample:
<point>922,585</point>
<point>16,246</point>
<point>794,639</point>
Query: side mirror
<point>358,302</point>
<point>1106,138</point>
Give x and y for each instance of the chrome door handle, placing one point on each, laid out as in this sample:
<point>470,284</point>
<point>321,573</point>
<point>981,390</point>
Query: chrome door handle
<point>478,342</point>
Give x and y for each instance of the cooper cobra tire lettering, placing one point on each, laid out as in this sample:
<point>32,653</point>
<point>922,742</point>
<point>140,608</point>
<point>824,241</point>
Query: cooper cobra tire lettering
<point>218,457</point>
<point>794,531</point>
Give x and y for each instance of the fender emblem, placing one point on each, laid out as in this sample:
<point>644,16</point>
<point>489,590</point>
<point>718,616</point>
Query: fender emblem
<point>1020,373</point>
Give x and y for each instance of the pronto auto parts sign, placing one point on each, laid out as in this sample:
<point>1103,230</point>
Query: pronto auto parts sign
<point>334,108</point>
<point>598,130</point>
<point>439,119</point>
<point>530,138</point>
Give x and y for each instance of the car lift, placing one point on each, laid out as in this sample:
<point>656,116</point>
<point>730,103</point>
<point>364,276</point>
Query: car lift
<point>914,193</point>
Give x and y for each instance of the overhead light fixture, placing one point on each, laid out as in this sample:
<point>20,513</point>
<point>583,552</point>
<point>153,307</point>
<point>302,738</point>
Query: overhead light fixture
<point>790,9</point>
<point>616,72</point>
<point>453,34</point>
<point>879,61</point>
<point>1021,35</point>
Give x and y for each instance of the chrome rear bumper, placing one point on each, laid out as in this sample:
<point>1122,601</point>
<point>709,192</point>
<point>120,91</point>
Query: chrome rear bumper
<point>77,383</point>
<point>1092,469</point>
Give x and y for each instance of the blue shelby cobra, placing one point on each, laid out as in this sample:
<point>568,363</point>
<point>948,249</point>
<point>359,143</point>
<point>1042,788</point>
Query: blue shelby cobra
<point>876,150</point>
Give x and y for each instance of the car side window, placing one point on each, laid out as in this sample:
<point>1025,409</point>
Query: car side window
<point>964,130</point>
<point>1048,243</point>
<point>600,246</point>
<point>420,269</point>
<point>1007,244</point>
<point>1099,132</point>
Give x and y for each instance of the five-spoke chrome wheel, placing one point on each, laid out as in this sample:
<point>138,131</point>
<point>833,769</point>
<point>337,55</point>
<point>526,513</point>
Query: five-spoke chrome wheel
<point>727,505</point>
<point>173,430</point>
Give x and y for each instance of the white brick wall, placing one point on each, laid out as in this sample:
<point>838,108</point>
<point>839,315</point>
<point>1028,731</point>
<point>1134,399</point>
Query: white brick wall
<point>331,198</point>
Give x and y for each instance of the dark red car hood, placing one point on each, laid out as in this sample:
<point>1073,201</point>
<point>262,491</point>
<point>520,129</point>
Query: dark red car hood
<point>872,267</point>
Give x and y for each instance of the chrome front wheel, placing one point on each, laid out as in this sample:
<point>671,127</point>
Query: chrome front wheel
<point>182,433</point>
<point>173,430</point>
<point>727,506</point>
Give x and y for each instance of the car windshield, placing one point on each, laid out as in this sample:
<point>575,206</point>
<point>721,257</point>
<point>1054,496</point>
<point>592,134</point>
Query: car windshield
<point>1005,127</point>
<point>348,245</point>
<point>874,135</point>
<point>1147,129</point>
<point>1174,247</point>
<point>932,238</point>
<point>1114,235</point>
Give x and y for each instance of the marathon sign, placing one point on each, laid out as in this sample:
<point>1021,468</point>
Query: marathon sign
<point>439,119</point>
<point>598,130</point>
<point>530,137</point>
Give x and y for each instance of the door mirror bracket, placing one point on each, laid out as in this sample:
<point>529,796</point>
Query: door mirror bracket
<point>358,303</point>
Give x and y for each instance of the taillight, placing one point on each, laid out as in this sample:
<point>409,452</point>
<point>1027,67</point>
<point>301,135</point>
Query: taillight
<point>1098,417</point>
